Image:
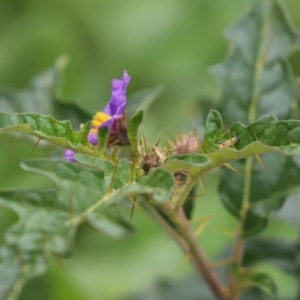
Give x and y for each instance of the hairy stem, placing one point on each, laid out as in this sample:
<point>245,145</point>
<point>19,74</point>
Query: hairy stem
<point>238,250</point>
<point>166,226</point>
<point>184,192</point>
<point>187,239</point>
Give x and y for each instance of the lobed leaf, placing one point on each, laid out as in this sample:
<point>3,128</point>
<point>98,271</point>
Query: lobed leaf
<point>257,81</point>
<point>47,128</point>
<point>121,172</point>
<point>190,162</point>
<point>255,69</point>
<point>48,218</point>
<point>255,139</point>
<point>213,131</point>
<point>268,190</point>
<point>16,269</point>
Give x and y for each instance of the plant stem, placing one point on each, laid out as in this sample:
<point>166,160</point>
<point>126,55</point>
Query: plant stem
<point>163,223</point>
<point>192,247</point>
<point>238,250</point>
<point>184,192</point>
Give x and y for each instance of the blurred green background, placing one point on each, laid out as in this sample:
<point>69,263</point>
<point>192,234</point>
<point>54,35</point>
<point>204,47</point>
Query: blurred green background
<point>168,42</point>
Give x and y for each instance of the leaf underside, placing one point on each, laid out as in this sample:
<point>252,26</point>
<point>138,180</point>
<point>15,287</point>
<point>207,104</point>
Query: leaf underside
<point>48,218</point>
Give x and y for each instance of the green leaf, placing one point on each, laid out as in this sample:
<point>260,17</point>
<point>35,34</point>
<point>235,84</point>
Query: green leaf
<point>255,73</point>
<point>112,221</point>
<point>161,183</point>
<point>262,281</point>
<point>121,171</point>
<point>142,99</point>
<point>270,131</point>
<point>48,218</point>
<point>38,97</point>
<point>132,130</point>
<point>103,134</point>
<point>213,131</point>
<point>39,231</point>
<point>255,139</point>
<point>186,162</point>
<point>257,294</point>
<point>43,97</point>
<point>188,205</point>
<point>16,269</point>
<point>257,81</point>
<point>70,111</point>
<point>281,253</point>
<point>79,187</point>
<point>268,190</point>
<point>96,162</point>
<point>47,128</point>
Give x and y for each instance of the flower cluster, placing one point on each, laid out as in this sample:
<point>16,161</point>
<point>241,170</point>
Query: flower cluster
<point>112,117</point>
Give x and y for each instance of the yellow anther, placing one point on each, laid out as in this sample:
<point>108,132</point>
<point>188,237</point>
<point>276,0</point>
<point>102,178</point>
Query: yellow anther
<point>93,130</point>
<point>99,118</point>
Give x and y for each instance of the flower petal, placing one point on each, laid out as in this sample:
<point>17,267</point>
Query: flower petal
<point>117,102</point>
<point>93,139</point>
<point>111,114</point>
<point>108,123</point>
<point>69,155</point>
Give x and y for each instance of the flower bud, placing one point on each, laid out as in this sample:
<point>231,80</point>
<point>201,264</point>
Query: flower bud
<point>187,144</point>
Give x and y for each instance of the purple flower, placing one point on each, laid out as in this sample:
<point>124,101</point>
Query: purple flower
<point>69,155</point>
<point>116,105</point>
<point>111,113</point>
<point>113,110</point>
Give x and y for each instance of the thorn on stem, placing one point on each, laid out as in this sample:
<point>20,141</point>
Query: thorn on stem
<point>35,145</point>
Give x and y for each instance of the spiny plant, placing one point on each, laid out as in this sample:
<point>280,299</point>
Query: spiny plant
<point>108,164</point>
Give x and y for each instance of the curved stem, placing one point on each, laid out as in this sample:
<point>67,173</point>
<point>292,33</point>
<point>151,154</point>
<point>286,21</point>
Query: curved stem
<point>167,227</point>
<point>184,192</point>
<point>190,245</point>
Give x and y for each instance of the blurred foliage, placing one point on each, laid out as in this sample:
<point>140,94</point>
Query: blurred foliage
<point>162,42</point>
<point>256,81</point>
<point>169,42</point>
